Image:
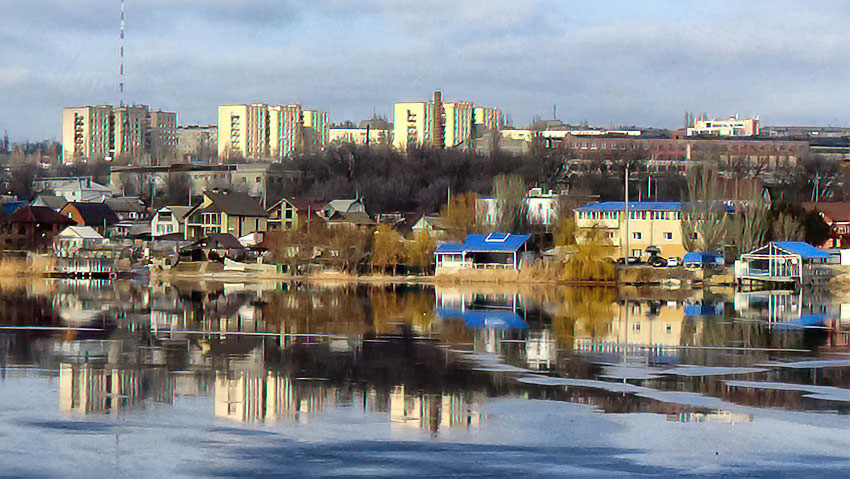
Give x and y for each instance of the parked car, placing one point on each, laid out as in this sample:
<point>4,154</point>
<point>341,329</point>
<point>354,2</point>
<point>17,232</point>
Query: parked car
<point>657,261</point>
<point>632,260</point>
<point>702,259</point>
<point>674,261</point>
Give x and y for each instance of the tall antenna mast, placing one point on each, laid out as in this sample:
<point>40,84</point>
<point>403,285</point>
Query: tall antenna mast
<point>121,71</point>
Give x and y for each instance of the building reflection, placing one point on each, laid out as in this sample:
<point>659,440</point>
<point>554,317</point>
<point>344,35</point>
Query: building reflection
<point>417,409</point>
<point>645,331</point>
<point>289,353</point>
<point>87,389</point>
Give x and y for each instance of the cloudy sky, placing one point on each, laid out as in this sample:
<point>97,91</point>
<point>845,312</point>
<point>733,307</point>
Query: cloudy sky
<point>606,62</point>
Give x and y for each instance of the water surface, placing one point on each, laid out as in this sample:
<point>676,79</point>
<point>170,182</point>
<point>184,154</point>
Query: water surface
<point>211,379</point>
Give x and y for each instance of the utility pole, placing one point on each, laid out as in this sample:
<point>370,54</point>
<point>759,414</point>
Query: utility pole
<point>626,211</point>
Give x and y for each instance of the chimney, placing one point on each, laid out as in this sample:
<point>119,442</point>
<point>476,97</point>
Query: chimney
<point>437,140</point>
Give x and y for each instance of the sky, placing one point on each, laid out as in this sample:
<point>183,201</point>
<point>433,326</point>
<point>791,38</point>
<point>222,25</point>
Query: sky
<point>604,62</point>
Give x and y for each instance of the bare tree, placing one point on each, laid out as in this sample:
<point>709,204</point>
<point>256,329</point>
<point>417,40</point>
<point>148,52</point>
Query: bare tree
<point>748,227</point>
<point>510,194</point>
<point>703,219</point>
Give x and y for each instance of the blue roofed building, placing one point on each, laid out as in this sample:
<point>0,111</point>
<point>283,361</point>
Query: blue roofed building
<point>482,251</point>
<point>783,262</point>
<point>651,223</point>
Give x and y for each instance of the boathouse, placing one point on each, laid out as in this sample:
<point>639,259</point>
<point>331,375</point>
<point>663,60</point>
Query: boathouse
<point>782,262</point>
<point>479,251</point>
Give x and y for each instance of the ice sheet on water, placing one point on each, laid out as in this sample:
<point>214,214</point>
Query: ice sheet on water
<point>630,372</point>
<point>829,363</point>
<point>693,371</point>
<point>829,393</point>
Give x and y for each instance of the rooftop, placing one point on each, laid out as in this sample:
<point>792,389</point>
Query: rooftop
<point>234,203</point>
<point>633,206</point>
<point>489,243</point>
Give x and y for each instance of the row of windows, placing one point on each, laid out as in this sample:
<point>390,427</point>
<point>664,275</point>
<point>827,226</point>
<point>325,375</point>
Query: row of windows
<point>638,235</point>
<point>634,215</point>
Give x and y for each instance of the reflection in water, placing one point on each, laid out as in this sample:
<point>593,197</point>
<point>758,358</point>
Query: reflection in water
<point>424,357</point>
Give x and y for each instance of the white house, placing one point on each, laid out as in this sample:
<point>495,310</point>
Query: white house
<point>75,238</point>
<point>81,251</point>
<point>433,225</point>
<point>169,220</point>
<point>83,190</point>
<point>541,208</point>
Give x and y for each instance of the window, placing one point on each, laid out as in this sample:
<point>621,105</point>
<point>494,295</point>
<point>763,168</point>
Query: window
<point>636,252</point>
<point>636,235</point>
<point>668,235</point>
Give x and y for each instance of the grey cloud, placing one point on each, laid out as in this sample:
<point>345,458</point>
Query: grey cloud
<point>788,63</point>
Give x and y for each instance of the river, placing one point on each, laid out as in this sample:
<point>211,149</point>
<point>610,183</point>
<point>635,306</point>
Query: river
<point>269,379</point>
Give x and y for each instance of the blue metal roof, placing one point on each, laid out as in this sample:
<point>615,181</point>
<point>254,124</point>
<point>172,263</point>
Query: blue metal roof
<point>805,250</point>
<point>449,248</point>
<point>489,243</point>
<point>702,258</point>
<point>633,206</point>
<point>495,242</point>
<point>487,319</point>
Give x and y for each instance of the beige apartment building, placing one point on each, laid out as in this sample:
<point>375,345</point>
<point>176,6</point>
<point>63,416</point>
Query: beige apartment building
<point>243,130</point>
<point>651,223</point>
<point>105,131</point>
<point>259,131</point>
<point>413,122</point>
<point>457,123</point>
<point>86,132</point>
<point>374,131</point>
<point>488,117</point>
<point>316,124</point>
<point>284,130</point>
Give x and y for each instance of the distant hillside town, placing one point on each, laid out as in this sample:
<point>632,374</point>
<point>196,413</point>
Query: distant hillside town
<point>444,185</point>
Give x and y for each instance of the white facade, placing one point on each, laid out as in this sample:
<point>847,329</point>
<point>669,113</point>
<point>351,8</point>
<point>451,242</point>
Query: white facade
<point>168,220</point>
<point>542,208</point>
<point>83,190</point>
<point>75,238</point>
<point>732,126</point>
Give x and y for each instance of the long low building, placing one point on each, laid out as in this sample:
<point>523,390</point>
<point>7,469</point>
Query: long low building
<point>479,251</point>
<point>651,223</point>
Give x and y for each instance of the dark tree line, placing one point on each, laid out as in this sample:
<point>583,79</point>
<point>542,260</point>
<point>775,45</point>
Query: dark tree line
<point>389,180</point>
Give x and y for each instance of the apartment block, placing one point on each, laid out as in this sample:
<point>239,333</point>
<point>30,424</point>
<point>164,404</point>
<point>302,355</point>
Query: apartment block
<point>651,223</point>
<point>487,117</point>
<point>316,125</point>
<point>284,130</point>
<point>375,131</point>
<point>457,123</point>
<point>86,132</point>
<point>104,131</point>
<point>196,142</point>
<point>163,135</point>
<point>732,126</point>
<point>411,124</point>
<point>415,123</point>
<point>259,131</point>
<point>243,130</point>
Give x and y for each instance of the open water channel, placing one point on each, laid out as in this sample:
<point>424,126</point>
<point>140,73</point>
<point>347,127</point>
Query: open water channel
<point>212,379</point>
